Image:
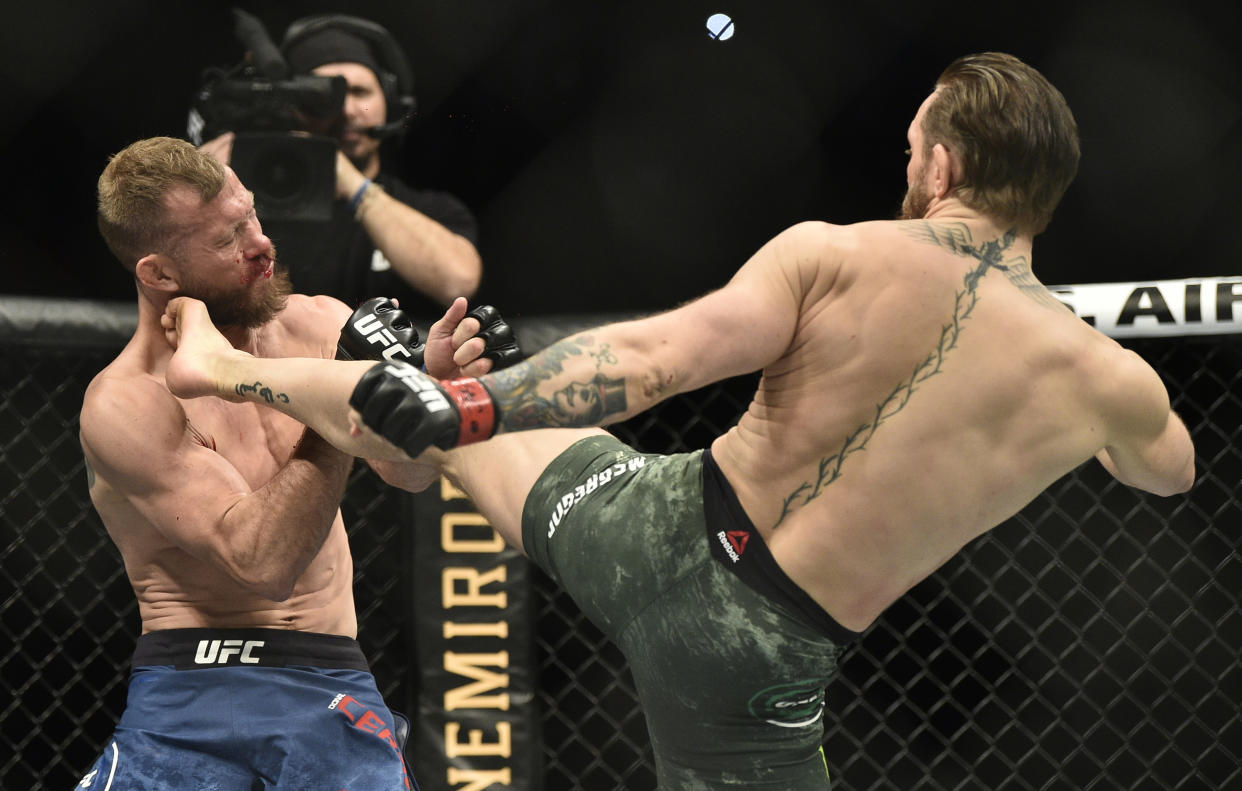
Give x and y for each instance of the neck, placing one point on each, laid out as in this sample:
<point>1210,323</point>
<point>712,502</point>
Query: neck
<point>982,225</point>
<point>151,307</point>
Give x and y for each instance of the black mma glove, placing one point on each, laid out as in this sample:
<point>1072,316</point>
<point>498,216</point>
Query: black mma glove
<point>379,330</point>
<point>414,411</point>
<point>500,345</point>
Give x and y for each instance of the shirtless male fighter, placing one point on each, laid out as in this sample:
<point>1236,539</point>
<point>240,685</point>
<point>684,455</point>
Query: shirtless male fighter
<point>247,674</point>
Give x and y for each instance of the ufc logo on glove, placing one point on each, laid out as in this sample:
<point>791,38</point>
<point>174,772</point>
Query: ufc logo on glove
<point>374,331</point>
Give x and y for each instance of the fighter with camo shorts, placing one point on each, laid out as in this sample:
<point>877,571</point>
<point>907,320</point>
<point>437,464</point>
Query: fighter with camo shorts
<point>729,657</point>
<point>919,387</point>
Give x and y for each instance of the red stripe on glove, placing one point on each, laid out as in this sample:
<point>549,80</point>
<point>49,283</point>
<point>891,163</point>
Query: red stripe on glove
<point>474,404</point>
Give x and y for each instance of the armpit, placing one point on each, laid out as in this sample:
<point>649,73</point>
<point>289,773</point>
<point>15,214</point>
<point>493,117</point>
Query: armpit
<point>200,437</point>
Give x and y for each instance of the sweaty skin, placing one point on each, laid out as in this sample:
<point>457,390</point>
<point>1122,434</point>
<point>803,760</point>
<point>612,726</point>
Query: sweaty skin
<point>919,386</point>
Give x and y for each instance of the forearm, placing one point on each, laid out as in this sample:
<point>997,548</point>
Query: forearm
<point>428,256</point>
<point>590,379</point>
<point>277,530</point>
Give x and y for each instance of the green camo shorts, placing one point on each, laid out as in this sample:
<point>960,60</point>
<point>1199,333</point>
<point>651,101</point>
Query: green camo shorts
<point>731,681</point>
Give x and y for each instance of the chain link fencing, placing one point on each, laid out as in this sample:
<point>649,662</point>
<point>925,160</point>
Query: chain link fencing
<point>1092,642</point>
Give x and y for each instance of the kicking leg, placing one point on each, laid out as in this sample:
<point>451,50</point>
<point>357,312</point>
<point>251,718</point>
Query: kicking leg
<point>499,474</point>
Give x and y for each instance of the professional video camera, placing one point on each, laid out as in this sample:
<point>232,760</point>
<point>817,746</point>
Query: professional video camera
<point>292,173</point>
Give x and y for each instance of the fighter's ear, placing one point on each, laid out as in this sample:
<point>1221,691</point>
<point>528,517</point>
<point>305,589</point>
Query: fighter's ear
<point>157,271</point>
<point>946,171</point>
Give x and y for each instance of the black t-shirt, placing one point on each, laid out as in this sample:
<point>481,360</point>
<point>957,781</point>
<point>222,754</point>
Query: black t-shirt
<point>338,258</point>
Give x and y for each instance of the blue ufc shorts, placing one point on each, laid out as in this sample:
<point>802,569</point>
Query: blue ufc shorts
<point>252,710</point>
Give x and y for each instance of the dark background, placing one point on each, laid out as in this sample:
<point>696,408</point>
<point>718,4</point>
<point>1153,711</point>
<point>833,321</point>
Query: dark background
<point>620,159</point>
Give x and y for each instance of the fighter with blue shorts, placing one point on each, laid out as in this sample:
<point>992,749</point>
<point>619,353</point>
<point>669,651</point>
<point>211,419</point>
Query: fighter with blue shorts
<point>251,709</point>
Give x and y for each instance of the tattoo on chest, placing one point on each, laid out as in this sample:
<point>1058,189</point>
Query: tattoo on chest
<point>576,404</point>
<point>957,239</point>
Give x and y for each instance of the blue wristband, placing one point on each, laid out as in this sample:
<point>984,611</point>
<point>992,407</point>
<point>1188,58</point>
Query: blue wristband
<point>356,201</point>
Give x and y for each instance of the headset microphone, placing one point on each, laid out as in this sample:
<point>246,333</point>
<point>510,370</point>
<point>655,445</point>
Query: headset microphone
<point>306,45</point>
<point>385,130</point>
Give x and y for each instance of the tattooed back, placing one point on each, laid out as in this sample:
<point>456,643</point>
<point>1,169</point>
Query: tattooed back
<point>930,388</point>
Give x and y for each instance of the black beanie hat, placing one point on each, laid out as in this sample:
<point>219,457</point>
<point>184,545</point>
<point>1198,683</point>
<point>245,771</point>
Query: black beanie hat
<point>330,45</point>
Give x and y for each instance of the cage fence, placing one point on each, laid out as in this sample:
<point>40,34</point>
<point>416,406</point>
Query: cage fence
<point>1093,641</point>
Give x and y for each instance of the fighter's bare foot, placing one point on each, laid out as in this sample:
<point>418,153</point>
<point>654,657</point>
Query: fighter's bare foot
<point>200,351</point>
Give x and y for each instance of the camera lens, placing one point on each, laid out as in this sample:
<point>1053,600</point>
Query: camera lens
<point>292,176</point>
<point>281,173</point>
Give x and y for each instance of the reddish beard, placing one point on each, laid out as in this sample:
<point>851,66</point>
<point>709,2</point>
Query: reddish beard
<point>249,306</point>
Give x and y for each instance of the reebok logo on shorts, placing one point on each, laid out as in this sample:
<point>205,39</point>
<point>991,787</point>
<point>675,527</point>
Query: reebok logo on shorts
<point>733,543</point>
<point>738,539</point>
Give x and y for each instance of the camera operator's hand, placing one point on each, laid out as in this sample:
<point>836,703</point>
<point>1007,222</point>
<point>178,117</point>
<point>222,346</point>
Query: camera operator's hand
<point>220,148</point>
<point>348,178</point>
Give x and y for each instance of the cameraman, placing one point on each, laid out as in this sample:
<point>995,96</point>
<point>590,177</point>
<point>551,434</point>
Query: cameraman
<point>384,237</point>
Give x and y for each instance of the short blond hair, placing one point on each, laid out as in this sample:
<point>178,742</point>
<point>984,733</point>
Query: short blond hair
<point>132,190</point>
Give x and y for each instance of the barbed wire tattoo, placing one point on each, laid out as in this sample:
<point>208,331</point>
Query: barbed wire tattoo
<point>957,239</point>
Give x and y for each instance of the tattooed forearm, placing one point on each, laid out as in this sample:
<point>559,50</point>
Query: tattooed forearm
<point>545,365</point>
<point>574,403</point>
<point>604,356</point>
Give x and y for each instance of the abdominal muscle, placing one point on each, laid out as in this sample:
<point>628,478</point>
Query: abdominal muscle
<point>177,591</point>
